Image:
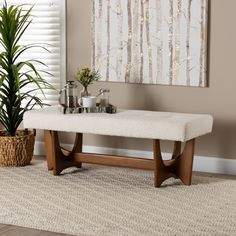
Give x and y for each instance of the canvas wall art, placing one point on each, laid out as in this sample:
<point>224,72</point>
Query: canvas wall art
<point>150,41</point>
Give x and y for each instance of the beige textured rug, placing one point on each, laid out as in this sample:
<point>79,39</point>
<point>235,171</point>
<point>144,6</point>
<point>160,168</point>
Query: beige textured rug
<point>103,201</point>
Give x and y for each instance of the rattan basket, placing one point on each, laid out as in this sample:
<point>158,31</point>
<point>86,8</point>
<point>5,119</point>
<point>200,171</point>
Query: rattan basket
<point>17,150</point>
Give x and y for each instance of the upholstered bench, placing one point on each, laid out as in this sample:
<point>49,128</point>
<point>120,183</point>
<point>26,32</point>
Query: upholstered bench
<point>178,127</point>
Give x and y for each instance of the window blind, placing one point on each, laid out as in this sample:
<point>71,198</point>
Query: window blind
<point>48,30</point>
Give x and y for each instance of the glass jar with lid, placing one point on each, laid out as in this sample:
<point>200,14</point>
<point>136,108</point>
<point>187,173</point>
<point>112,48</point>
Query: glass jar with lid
<point>104,98</point>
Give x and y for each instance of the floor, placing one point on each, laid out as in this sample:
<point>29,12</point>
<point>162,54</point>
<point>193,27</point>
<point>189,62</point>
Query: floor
<point>10,230</point>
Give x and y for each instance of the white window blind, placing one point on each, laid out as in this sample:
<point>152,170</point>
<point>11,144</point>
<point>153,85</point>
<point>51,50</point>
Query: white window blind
<point>47,29</point>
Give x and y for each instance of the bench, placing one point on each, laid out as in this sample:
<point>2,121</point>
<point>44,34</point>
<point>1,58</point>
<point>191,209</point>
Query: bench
<point>177,127</point>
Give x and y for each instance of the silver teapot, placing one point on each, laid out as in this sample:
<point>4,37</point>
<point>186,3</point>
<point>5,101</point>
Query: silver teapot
<point>68,96</point>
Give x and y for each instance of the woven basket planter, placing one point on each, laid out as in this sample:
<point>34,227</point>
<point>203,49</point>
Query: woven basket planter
<point>17,150</point>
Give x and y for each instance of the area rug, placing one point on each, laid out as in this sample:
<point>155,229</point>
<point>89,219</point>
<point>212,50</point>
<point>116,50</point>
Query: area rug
<point>98,200</point>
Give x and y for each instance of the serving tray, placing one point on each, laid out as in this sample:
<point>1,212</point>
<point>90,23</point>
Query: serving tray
<point>110,109</point>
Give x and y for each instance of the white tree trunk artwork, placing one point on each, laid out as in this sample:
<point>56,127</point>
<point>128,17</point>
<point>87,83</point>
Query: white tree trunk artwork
<point>150,41</point>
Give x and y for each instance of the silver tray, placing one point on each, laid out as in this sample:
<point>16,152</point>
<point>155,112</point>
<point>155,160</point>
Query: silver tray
<point>66,110</point>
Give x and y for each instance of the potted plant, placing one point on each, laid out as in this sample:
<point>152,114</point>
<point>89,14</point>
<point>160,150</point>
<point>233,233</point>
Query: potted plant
<point>86,77</point>
<point>16,146</point>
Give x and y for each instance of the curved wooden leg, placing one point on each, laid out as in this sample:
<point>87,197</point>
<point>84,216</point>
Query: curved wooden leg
<point>158,164</point>
<point>184,165</point>
<point>180,166</point>
<point>78,146</point>
<point>177,150</point>
<point>59,159</point>
<point>161,172</point>
<point>48,146</point>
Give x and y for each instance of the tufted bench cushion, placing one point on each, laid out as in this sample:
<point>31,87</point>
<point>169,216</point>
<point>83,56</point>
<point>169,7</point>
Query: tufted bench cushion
<point>125,123</point>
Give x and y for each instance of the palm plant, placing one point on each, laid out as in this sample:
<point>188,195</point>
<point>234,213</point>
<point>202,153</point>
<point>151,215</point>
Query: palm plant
<point>15,74</point>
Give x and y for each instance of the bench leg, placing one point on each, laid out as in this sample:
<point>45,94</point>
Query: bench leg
<point>180,166</point>
<point>48,146</point>
<point>177,150</point>
<point>184,165</point>
<point>59,159</point>
<point>78,144</point>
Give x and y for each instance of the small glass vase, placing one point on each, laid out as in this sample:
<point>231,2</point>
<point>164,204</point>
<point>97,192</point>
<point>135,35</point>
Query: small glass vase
<point>85,92</point>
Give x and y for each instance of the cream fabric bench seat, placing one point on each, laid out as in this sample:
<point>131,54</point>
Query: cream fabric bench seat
<point>125,123</point>
<point>178,127</point>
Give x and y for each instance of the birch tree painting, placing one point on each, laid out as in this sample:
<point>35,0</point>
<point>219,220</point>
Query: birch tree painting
<point>150,41</point>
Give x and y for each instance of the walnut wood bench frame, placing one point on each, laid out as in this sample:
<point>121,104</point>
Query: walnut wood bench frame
<point>153,125</point>
<point>180,166</point>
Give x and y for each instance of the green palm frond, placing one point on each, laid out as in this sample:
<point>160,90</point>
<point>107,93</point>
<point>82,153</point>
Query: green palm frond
<point>16,75</point>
